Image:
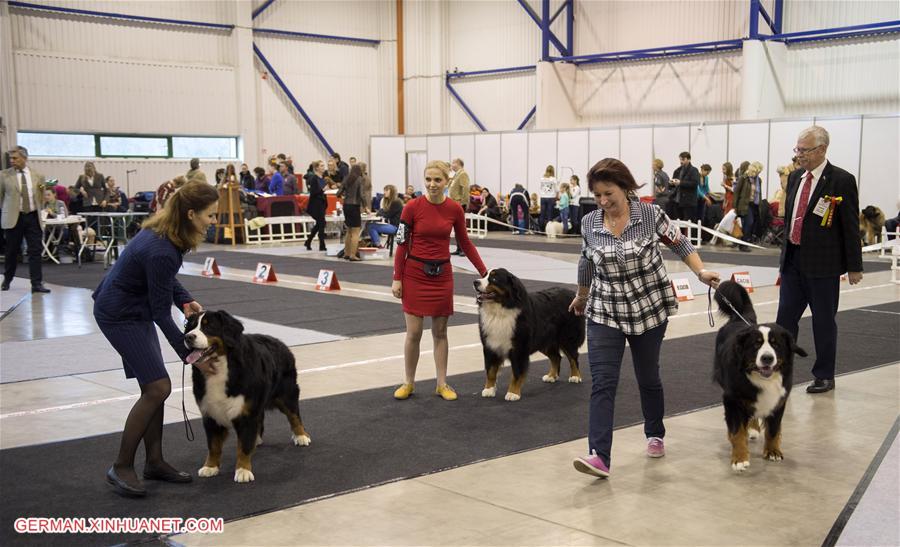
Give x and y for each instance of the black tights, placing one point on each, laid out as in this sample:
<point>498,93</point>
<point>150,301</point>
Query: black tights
<point>318,229</point>
<point>145,421</point>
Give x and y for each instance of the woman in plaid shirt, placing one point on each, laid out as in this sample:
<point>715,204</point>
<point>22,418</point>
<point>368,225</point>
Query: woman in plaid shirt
<point>624,291</point>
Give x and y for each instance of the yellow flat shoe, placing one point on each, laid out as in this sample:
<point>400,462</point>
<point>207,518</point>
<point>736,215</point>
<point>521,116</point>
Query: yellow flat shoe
<point>404,391</point>
<point>446,392</point>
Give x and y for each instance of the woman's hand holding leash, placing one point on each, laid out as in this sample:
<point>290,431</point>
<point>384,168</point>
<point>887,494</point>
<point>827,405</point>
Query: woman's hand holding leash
<point>578,304</point>
<point>709,278</point>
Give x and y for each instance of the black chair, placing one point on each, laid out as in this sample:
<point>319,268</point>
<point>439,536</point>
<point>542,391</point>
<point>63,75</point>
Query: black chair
<point>390,244</point>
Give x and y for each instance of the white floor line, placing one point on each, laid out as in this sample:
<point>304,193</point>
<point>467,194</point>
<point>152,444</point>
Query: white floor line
<point>347,365</point>
<point>878,311</point>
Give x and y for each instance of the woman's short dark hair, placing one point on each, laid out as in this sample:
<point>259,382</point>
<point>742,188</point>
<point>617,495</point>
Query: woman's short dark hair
<point>259,171</point>
<point>613,171</point>
<point>173,222</point>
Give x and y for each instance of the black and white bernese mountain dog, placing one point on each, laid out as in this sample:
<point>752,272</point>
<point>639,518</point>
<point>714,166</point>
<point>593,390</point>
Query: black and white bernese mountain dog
<point>754,366</point>
<point>254,373</point>
<point>514,324</point>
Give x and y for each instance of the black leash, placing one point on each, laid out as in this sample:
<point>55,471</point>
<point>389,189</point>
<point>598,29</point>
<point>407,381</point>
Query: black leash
<point>188,430</point>
<point>727,303</point>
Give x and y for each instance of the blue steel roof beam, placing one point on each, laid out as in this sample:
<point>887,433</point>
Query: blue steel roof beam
<point>258,11</point>
<point>123,16</point>
<point>834,30</point>
<point>463,104</point>
<point>454,75</point>
<point>844,35</point>
<point>294,34</point>
<point>291,97</point>
<point>766,18</point>
<point>701,47</point>
<point>778,16</point>
<point>527,117</point>
<point>537,20</point>
<point>560,10</point>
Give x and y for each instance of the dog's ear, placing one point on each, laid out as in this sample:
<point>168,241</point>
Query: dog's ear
<point>517,288</point>
<point>231,329</point>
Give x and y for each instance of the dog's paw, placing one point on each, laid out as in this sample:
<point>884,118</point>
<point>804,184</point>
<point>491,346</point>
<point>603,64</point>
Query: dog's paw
<point>258,440</point>
<point>489,391</point>
<point>753,434</point>
<point>512,397</point>
<point>574,379</point>
<point>243,475</point>
<point>301,440</point>
<point>208,471</point>
<point>549,379</point>
<point>773,455</point>
<point>740,467</point>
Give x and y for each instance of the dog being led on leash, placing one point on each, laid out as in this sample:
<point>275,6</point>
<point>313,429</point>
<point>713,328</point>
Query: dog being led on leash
<point>754,367</point>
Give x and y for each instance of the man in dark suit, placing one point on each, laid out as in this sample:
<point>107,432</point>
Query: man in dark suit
<point>21,199</point>
<point>686,179</point>
<point>814,256</point>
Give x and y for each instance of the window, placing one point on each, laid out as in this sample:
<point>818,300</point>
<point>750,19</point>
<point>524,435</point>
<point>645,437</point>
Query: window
<point>74,145</point>
<point>57,144</point>
<point>144,147</point>
<point>204,147</point>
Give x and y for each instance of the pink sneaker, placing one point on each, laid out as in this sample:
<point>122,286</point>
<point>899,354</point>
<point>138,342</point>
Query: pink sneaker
<point>655,447</point>
<point>592,465</point>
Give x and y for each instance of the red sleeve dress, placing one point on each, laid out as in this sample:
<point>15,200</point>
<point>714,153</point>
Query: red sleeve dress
<point>429,239</point>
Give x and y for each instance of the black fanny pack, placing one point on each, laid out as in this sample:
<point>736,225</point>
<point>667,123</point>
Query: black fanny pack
<point>432,268</point>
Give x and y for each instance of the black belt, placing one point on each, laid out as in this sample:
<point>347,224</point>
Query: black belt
<point>423,261</point>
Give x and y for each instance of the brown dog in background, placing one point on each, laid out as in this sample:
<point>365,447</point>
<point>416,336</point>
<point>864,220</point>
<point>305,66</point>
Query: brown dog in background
<point>871,221</point>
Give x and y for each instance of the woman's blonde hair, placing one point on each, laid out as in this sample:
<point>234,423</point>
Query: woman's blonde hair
<point>390,195</point>
<point>657,163</point>
<point>172,221</point>
<point>564,187</point>
<point>549,172</point>
<point>441,166</point>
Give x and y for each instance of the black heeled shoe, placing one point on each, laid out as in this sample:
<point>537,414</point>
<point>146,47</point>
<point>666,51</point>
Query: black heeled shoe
<point>308,245</point>
<point>151,474</point>
<point>123,488</point>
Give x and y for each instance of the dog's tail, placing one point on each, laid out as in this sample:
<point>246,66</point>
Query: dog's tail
<point>729,292</point>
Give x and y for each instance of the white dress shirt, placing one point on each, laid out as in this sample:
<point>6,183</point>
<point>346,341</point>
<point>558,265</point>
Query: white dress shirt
<point>817,174</point>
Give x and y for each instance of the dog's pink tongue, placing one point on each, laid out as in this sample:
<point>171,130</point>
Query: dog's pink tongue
<point>194,356</point>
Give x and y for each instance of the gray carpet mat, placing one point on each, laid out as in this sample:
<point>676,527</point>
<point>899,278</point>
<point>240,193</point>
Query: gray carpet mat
<point>367,438</point>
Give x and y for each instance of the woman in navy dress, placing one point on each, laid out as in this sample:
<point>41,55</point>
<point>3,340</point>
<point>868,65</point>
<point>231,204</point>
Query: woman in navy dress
<point>135,297</point>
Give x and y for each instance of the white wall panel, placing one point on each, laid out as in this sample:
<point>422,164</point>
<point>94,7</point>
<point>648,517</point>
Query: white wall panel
<point>637,155</point>
<point>416,144</point>
<point>668,143</point>
<point>800,15</point>
<point>500,103</point>
<point>388,162</point>
<point>541,153</point>
<point>148,176</point>
<point>514,158</point>
<point>708,145</point>
<point>439,148</point>
<point>463,147</point>
<point>572,155</point>
<point>782,140</point>
<point>749,142</point>
<point>86,94</point>
<point>487,162</point>
<point>604,143</point>
<point>824,78</point>
<point>878,181</point>
<point>699,88</point>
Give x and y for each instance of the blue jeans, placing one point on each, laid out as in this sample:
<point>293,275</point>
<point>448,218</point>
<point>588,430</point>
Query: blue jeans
<point>575,215</point>
<point>547,206</point>
<point>564,218</point>
<point>376,229</point>
<point>520,218</point>
<point>606,346</point>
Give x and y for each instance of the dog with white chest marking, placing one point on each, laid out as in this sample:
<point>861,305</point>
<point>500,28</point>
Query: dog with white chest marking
<point>253,373</point>
<point>754,366</point>
<point>513,324</point>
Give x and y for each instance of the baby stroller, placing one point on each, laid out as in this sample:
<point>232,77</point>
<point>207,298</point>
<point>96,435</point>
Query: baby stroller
<point>774,234</point>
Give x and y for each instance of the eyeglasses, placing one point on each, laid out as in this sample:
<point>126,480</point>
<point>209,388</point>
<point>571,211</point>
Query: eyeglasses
<point>803,151</point>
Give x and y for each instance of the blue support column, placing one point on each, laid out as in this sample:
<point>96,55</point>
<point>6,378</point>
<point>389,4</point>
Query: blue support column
<point>570,28</point>
<point>754,19</point>
<point>527,117</point>
<point>258,11</point>
<point>537,21</point>
<point>545,30</point>
<point>291,98</point>
<point>778,17</point>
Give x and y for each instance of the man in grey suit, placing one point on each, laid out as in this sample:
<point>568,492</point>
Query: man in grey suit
<point>21,198</point>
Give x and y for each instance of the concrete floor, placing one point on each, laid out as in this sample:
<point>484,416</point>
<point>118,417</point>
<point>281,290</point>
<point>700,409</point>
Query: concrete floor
<point>534,498</point>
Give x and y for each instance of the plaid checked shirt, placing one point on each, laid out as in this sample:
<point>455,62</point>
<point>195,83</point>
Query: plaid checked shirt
<point>630,289</point>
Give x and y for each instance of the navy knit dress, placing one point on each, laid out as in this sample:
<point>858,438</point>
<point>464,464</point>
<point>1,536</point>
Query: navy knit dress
<point>136,294</point>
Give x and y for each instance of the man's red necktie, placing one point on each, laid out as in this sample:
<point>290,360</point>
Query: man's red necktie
<point>797,227</point>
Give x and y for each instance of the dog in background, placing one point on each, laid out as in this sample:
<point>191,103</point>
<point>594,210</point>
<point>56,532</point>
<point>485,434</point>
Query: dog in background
<point>754,367</point>
<point>254,373</point>
<point>513,324</point>
<point>871,221</point>
<point>554,229</point>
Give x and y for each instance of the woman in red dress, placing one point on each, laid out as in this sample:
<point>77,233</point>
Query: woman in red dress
<point>423,277</point>
<point>728,185</point>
